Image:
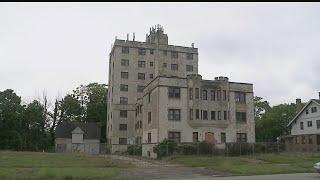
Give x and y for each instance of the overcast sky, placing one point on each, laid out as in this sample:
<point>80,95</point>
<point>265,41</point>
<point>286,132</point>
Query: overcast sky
<point>58,46</point>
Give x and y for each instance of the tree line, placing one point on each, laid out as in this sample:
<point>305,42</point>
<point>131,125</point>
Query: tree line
<point>31,126</point>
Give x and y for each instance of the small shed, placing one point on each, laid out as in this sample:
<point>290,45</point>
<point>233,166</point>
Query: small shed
<point>73,137</point>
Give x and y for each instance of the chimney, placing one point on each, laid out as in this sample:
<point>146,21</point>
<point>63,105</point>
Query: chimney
<point>127,36</point>
<point>192,45</point>
<point>134,36</point>
<point>298,101</point>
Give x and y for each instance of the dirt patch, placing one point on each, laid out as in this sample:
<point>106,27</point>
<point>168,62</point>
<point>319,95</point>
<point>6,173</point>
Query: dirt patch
<point>154,169</point>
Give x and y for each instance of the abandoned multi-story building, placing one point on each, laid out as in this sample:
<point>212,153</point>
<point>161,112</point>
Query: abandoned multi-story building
<point>155,92</point>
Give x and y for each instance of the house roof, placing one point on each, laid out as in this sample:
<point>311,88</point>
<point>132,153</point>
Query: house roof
<point>317,101</point>
<point>90,130</point>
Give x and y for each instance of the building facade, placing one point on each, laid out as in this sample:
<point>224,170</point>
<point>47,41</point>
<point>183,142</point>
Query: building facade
<point>305,128</point>
<point>155,92</point>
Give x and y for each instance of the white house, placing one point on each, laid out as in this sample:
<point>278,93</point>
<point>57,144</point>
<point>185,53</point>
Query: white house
<point>305,128</point>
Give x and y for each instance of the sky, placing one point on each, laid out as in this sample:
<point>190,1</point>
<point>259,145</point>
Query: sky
<point>55,47</point>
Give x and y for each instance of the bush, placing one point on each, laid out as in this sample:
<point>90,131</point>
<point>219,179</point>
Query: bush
<point>206,148</point>
<point>135,149</point>
<point>236,149</point>
<point>187,149</point>
<point>165,148</point>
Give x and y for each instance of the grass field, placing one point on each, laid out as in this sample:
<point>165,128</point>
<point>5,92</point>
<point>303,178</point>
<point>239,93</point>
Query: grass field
<point>253,165</point>
<point>35,165</point>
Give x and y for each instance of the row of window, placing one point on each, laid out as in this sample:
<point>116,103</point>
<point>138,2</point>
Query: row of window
<point>141,76</point>
<point>124,87</point>
<point>203,115</point>
<point>304,138</point>
<point>143,51</point>
<point>313,110</point>
<point>176,136</point>
<point>309,124</point>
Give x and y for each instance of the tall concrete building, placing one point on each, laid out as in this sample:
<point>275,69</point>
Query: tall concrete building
<point>132,65</point>
<point>155,92</point>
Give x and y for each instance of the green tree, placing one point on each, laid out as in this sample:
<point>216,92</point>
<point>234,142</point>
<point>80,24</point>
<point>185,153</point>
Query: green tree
<point>11,122</point>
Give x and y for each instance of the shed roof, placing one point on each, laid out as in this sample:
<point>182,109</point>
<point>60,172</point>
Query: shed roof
<point>90,130</point>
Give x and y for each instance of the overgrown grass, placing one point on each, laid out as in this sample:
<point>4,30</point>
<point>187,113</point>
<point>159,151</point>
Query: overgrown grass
<point>253,165</point>
<point>35,165</point>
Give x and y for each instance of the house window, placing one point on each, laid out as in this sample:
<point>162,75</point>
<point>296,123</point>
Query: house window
<point>123,127</point>
<point>151,64</point>
<point>318,124</point>
<point>149,117</point>
<point>224,95</point>
<point>174,67</point>
<point>313,109</point>
<point>301,125</point>
<point>240,97</point>
<point>309,124</point>
<point>124,62</point>
<point>204,94</point>
<point>318,139</point>
<point>125,50</point>
<point>173,92</point>
<point>141,76</point>
<point>310,139</point>
<point>195,137</point>
<point>151,51</point>
<point>149,97</point>
<point>164,65</point>
<point>218,95</point>
<point>223,137</point>
<point>219,115</point>
<point>197,113</point>
<point>197,93</point>
<point>190,93</point>
<point>123,100</point>
<point>213,115</point>
<point>241,116</point>
<point>191,114</point>
<point>140,88</point>
<point>124,75</point>
<point>151,76</point>
<point>165,52</point>
<point>307,111</point>
<point>205,115</point>
<point>123,87</point>
<point>122,140</point>
<point>142,51</point>
<point>225,115</point>
<point>189,56</point>
<point>174,114</point>
<point>213,95</point>
<point>241,137</point>
<point>123,113</point>
<point>142,64</point>
<point>303,139</point>
<point>189,68</point>
<point>149,137</point>
<point>175,136</point>
<point>174,54</point>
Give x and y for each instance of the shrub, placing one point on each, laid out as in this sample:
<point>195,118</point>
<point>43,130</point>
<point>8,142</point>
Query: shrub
<point>187,149</point>
<point>165,148</point>
<point>135,149</point>
<point>206,148</point>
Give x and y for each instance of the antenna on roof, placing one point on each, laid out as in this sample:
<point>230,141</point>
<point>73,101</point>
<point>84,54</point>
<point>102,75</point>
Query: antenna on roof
<point>127,36</point>
<point>134,36</point>
<point>192,45</point>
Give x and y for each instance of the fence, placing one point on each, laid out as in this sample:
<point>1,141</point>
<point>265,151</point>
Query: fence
<point>227,149</point>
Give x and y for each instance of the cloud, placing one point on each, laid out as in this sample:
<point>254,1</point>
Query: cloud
<point>58,46</point>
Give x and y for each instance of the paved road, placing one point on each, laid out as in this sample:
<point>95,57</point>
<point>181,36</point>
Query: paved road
<point>300,176</point>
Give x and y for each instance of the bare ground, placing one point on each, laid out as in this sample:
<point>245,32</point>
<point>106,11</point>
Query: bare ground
<point>155,169</point>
